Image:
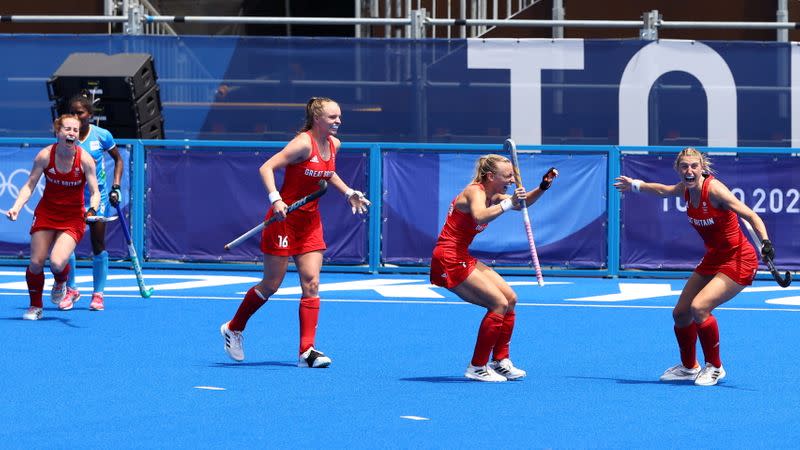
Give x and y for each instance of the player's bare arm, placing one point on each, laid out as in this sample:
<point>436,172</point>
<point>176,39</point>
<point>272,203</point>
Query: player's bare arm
<point>721,197</point>
<point>475,204</point>
<point>90,171</point>
<point>39,164</point>
<point>623,183</point>
<point>297,150</point>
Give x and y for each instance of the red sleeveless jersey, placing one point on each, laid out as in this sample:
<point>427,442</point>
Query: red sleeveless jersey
<point>718,228</point>
<point>63,192</point>
<point>302,178</point>
<point>459,230</point>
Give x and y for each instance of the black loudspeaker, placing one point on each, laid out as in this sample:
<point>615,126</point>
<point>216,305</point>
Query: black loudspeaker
<point>124,87</point>
<point>121,76</point>
<point>154,129</point>
<point>144,109</point>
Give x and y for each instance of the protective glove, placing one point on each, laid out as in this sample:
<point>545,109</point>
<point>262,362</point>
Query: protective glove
<point>115,195</point>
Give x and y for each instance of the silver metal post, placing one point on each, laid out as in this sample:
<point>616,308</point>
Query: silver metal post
<point>358,16</point>
<point>782,15</point>
<point>462,15</point>
<point>649,31</point>
<point>135,16</point>
<point>558,14</point>
<point>418,23</point>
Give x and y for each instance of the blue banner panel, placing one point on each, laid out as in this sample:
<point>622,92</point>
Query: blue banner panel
<point>656,233</point>
<point>200,200</point>
<point>541,91</point>
<point>15,167</point>
<point>569,221</point>
<point>409,220</point>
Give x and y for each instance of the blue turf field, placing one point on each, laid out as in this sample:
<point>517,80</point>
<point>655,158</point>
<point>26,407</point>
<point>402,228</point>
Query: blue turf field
<point>129,377</point>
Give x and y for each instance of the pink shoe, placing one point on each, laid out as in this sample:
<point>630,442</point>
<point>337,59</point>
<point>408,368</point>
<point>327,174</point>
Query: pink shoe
<point>97,302</point>
<point>70,298</point>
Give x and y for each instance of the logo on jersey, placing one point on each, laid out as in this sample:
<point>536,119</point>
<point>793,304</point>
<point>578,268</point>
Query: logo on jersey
<point>314,159</point>
<point>67,183</point>
<point>94,145</point>
<point>51,170</point>
<point>318,173</point>
<point>701,222</point>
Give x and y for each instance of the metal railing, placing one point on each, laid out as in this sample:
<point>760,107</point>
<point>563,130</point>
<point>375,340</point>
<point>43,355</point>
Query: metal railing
<point>415,24</point>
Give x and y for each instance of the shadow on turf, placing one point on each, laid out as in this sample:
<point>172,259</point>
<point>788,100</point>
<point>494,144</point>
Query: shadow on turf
<point>439,379</point>
<point>43,319</point>
<point>667,383</point>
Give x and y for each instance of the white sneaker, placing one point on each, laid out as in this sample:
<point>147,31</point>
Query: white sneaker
<point>314,359</point>
<point>58,292</point>
<point>710,375</point>
<point>483,373</point>
<point>680,373</point>
<point>506,368</point>
<point>33,313</point>
<point>234,342</point>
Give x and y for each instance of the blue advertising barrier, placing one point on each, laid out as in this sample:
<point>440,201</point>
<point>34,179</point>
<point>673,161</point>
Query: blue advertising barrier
<point>189,197</point>
<point>657,235</point>
<point>15,165</point>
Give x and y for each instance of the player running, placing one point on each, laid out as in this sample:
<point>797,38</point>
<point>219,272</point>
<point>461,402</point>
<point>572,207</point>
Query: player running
<point>59,218</point>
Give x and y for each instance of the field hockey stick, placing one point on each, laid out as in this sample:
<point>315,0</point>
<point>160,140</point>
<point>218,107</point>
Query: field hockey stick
<point>144,291</point>
<point>323,186</point>
<point>783,281</point>
<point>511,147</point>
<point>101,219</point>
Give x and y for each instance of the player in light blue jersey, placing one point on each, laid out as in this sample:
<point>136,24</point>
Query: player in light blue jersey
<point>96,141</point>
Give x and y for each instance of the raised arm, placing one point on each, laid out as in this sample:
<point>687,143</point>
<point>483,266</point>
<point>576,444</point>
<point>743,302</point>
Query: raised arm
<point>624,183</point>
<point>547,181</point>
<point>476,202</point>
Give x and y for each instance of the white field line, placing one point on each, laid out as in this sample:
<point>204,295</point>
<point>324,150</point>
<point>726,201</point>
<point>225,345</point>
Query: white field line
<point>423,302</point>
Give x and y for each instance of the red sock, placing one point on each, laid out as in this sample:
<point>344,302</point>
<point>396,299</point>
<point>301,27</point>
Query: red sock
<point>488,333</point>
<point>708,332</point>
<point>309,316</point>
<point>61,277</point>
<point>687,343</point>
<point>253,300</point>
<point>501,350</point>
<point>35,287</point>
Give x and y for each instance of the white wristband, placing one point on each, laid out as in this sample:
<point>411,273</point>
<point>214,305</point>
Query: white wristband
<point>636,185</point>
<point>274,197</point>
<point>349,193</point>
<point>506,204</point>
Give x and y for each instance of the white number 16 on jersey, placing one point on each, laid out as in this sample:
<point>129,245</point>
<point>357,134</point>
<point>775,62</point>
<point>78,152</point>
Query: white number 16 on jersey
<point>283,241</point>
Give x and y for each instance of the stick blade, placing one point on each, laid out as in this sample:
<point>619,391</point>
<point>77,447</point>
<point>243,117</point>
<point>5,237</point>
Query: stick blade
<point>101,219</point>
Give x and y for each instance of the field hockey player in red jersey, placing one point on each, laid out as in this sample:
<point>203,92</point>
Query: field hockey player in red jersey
<point>728,266</point>
<point>59,220</point>
<point>307,159</point>
<point>454,268</point>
